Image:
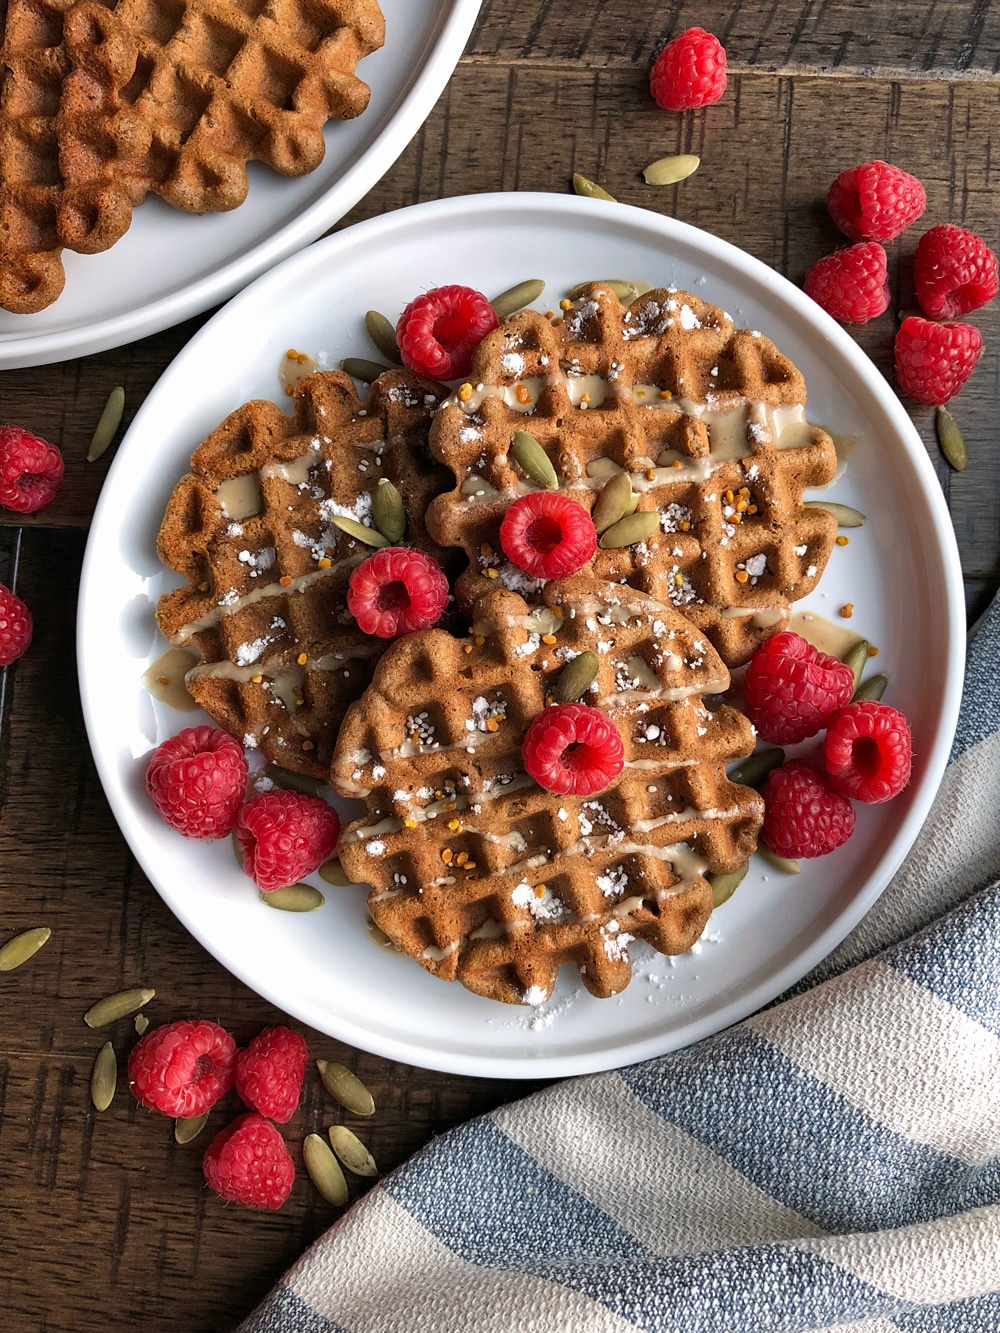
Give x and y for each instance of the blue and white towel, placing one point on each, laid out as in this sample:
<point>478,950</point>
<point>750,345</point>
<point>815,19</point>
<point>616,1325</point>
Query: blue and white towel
<point>830,1163</point>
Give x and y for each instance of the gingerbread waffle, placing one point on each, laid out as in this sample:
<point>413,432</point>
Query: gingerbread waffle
<point>266,570</point>
<point>708,420</point>
<point>481,875</point>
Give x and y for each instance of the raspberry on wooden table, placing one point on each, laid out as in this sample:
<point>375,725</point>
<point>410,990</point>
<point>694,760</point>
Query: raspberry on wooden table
<point>933,361</point>
<point>548,535</point>
<point>573,749</point>
<point>285,835</point>
<point>438,331</point>
<point>182,1069</point>
<point>248,1163</point>
<point>396,591</point>
<point>803,815</point>
<point>31,470</point>
<point>868,751</point>
<point>875,201</point>
<point>197,780</point>
<point>851,284</point>
<point>791,688</point>
<point>15,627</point>
<point>269,1072</point>
<point>954,271</point>
<point>689,72</point>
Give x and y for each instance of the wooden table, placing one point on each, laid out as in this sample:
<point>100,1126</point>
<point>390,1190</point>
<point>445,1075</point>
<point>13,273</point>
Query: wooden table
<point>105,1221</point>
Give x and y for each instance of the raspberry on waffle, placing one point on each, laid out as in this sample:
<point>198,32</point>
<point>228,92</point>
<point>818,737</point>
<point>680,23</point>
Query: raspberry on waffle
<point>266,570</point>
<point>482,876</point>
<point>708,420</point>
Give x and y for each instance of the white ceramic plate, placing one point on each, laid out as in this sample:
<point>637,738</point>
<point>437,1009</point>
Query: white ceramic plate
<point>171,265</point>
<point>901,571</point>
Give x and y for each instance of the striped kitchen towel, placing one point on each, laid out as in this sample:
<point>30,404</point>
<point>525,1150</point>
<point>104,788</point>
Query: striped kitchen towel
<point>831,1163</point>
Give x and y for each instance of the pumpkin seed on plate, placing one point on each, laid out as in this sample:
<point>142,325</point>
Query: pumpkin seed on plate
<point>187,1129</point>
<point>951,439</point>
<point>346,1087</point>
<point>589,189</point>
<point>110,420</point>
<point>351,1151</point>
<point>872,688</point>
<point>104,1077</point>
<point>625,291</point>
<point>856,658</point>
<point>630,530</point>
<point>324,1170</point>
<point>116,1006</point>
<point>724,886</point>
<point>383,335</point>
<point>752,770</point>
<point>517,297</point>
<point>358,531</point>
<point>294,898</point>
<point>388,511</point>
<point>333,872</point>
<point>670,170</point>
<point>360,369</point>
<point>846,516</point>
<point>576,678</point>
<point>22,947</point>
<point>615,500</point>
<point>533,461</point>
<point>782,863</point>
<point>289,781</point>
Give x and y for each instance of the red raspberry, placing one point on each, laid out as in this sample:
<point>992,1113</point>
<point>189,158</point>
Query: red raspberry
<point>269,1072</point>
<point>248,1163</point>
<point>285,835</point>
<point>548,535</point>
<point>197,780</point>
<point>954,271</point>
<point>791,688</point>
<point>803,816</point>
<point>573,749</point>
<point>867,751</point>
<point>30,470</point>
<point>875,201</point>
<point>933,361</point>
<point>182,1069</point>
<point>15,627</point>
<point>397,590</point>
<point>851,284</point>
<point>438,332</point>
<point>690,71</point>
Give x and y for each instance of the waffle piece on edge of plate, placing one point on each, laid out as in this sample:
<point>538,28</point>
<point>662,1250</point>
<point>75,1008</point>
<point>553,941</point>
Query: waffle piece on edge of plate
<point>266,570</point>
<point>480,874</point>
<point>708,421</point>
<point>66,134</point>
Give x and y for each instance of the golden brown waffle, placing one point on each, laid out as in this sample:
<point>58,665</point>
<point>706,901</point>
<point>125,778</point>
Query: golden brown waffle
<point>708,420</point>
<point>482,876</point>
<point>65,131</point>
<point>265,569</point>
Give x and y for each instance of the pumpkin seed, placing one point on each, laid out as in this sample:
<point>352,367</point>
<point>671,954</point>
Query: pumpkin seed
<point>141,1024</point>
<point>782,863</point>
<point>358,531</point>
<point>614,501</point>
<point>383,335</point>
<point>576,678</point>
<point>516,298</point>
<point>294,898</point>
<point>533,461</point>
<point>631,529</point>
<point>724,886</point>
<point>845,515</point>
<point>187,1129</point>
<point>752,770</point>
<point>589,189</point>
<point>116,1006</point>
<point>951,439</point>
<point>324,1170</point>
<point>110,420</point>
<point>104,1077</point>
<point>360,369</point>
<point>872,688</point>
<point>19,949</point>
<point>670,170</point>
<point>346,1087</point>
<point>388,511</point>
<point>351,1151</point>
<point>625,291</point>
<point>333,872</point>
<point>856,659</point>
<point>288,781</point>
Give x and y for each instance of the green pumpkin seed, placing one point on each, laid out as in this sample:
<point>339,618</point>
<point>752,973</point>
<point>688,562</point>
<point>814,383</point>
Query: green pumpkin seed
<point>872,688</point>
<point>104,1078</point>
<point>324,1170</point>
<point>346,1087</point>
<point>752,770</point>
<point>782,863</point>
<point>187,1129</point>
<point>22,947</point>
<point>846,516</point>
<point>383,335</point>
<point>856,658</point>
<point>631,529</point>
<point>116,1006</point>
<point>516,298</point>
<point>360,369</point>
<point>351,1151</point>
<point>614,501</point>
<point>533,461</point>
<point>288,781</point>
<point>110,420</point>
<point>951,439</point>
<point>141,1024</point>
<point>358,531</point>
<point>589,189</point>
<point>576,678</point>
<point>625,291</point>
<point>294,898</point>
<point>333,872</point>
<point>388,511</point>
<point>724,886</point>
<point>670,170</point>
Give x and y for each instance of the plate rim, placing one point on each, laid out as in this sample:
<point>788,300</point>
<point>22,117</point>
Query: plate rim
<point>505,206</point>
